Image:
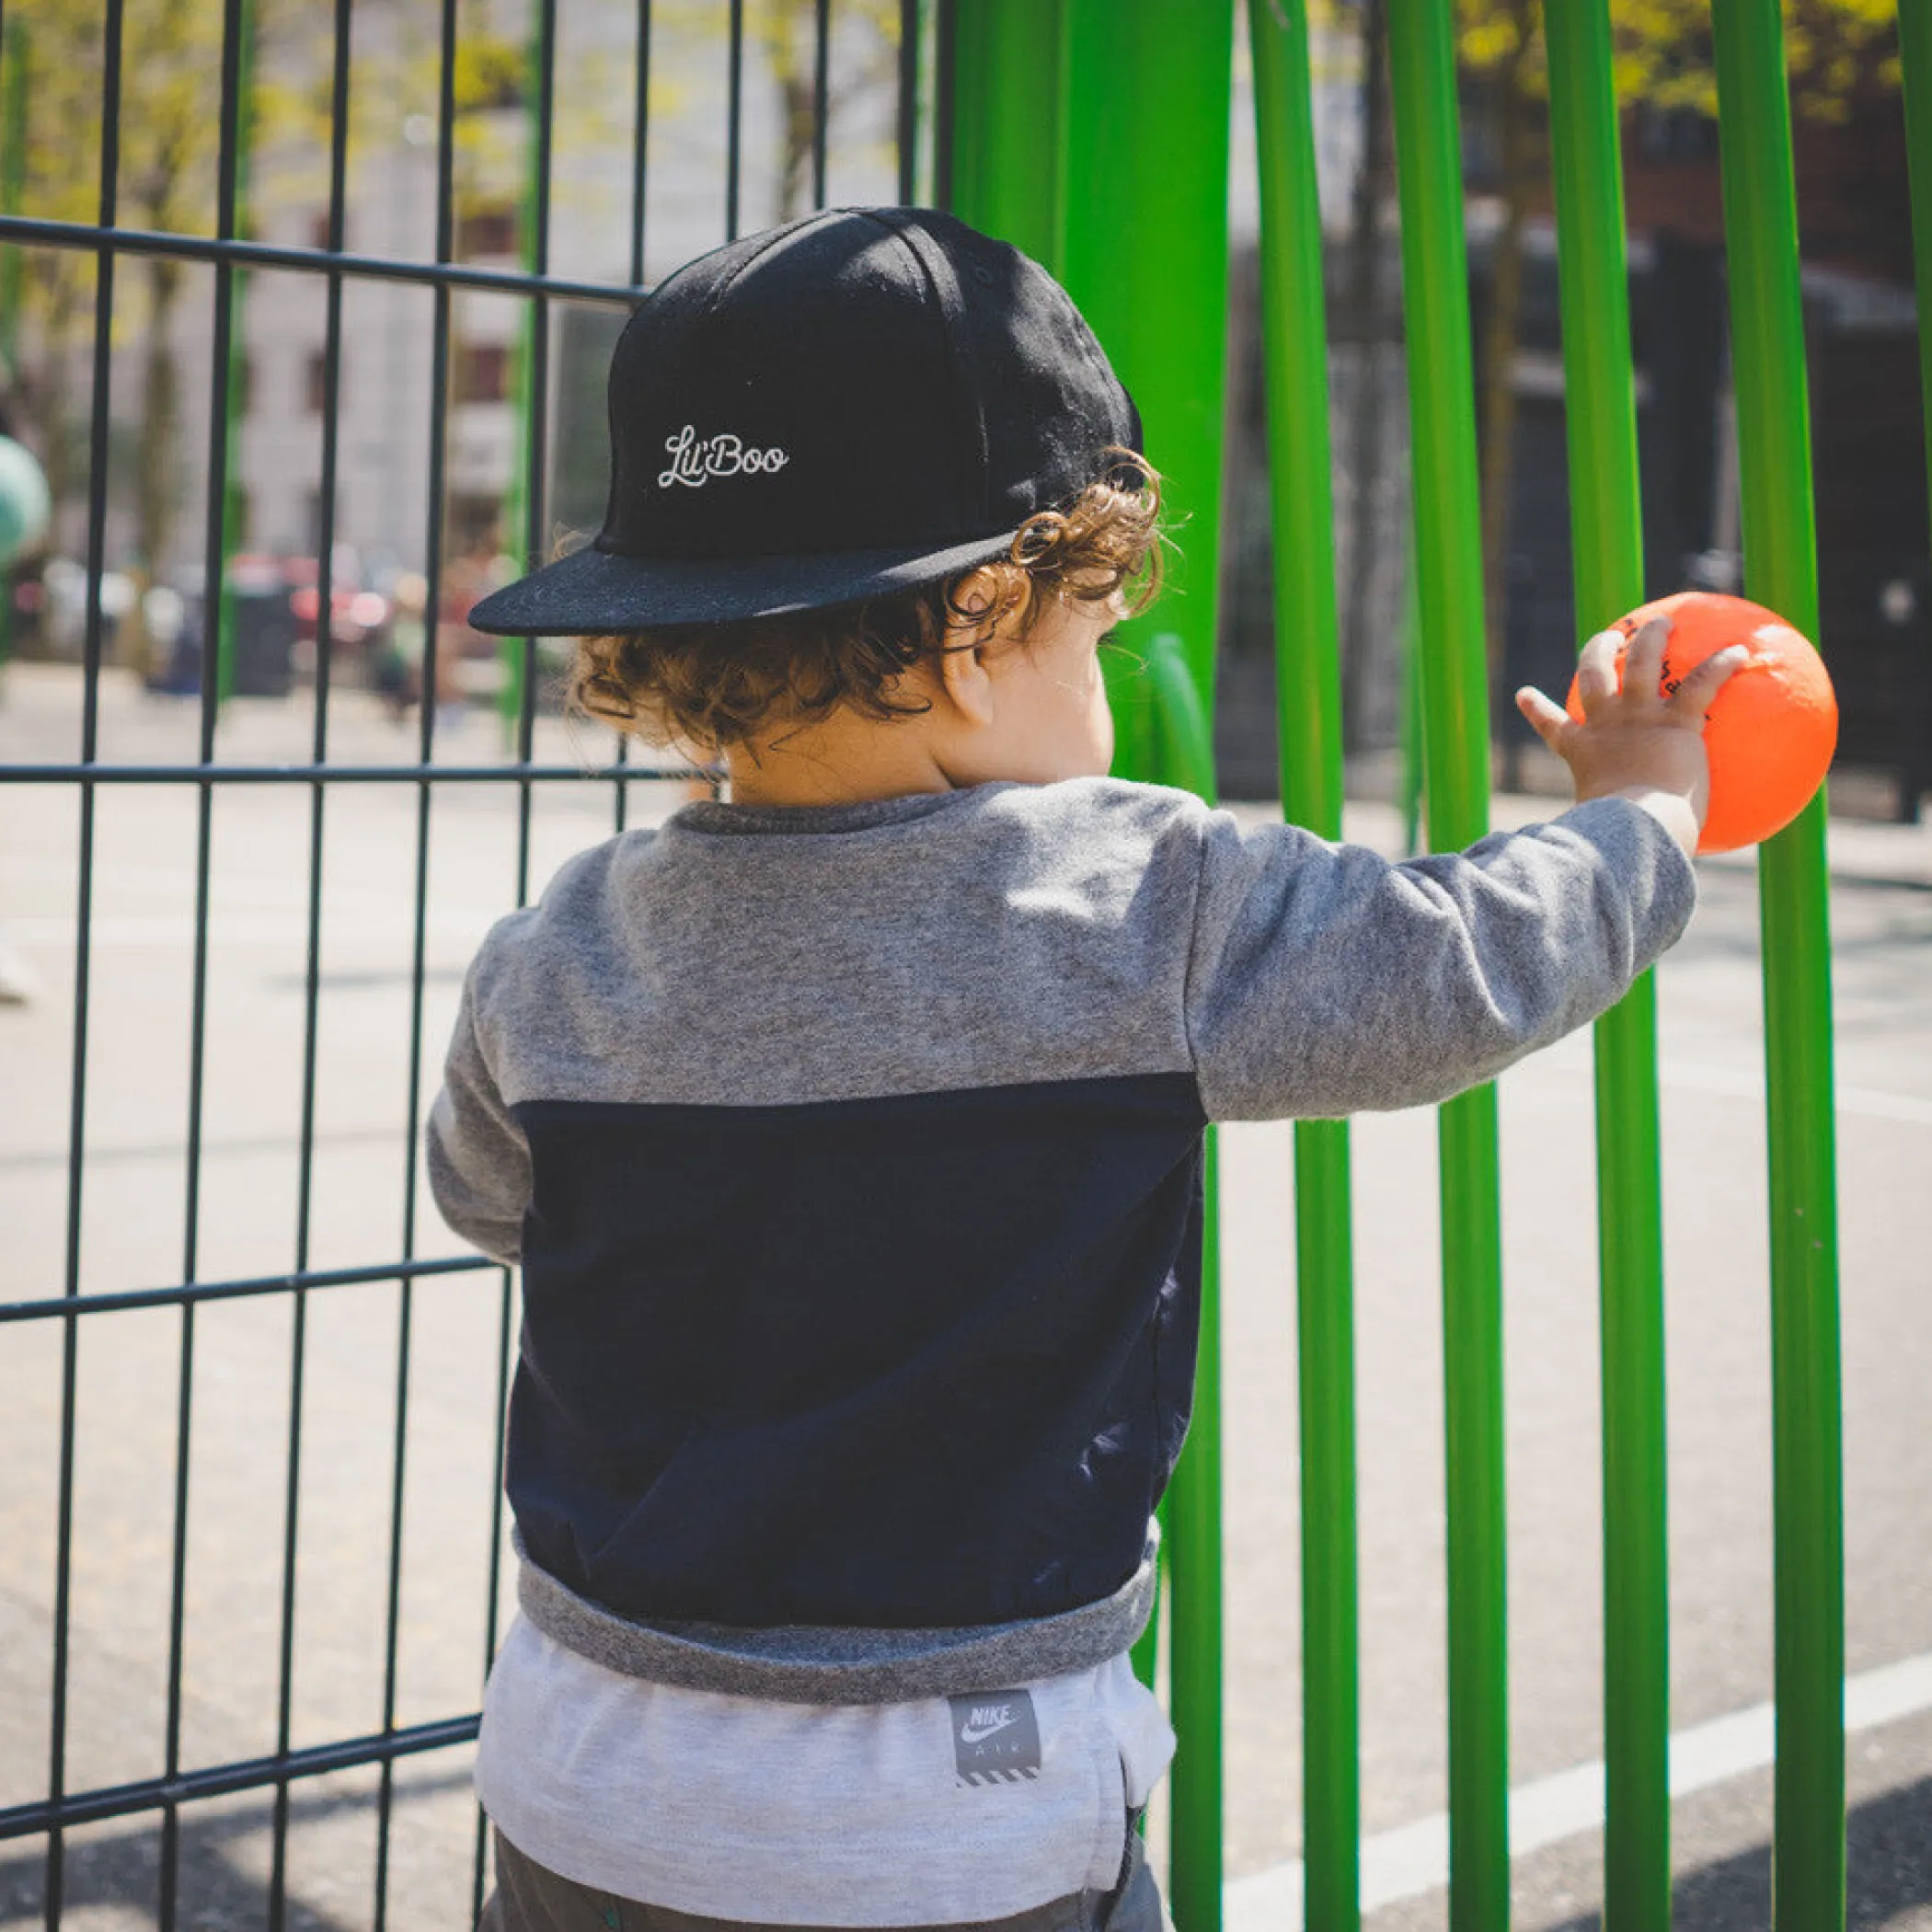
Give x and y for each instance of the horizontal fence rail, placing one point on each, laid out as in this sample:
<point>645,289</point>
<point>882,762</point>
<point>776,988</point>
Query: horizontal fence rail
<point>510,773</point>
<point>67,1308</point>
<point>153,1794</point>
<point>21,230</point>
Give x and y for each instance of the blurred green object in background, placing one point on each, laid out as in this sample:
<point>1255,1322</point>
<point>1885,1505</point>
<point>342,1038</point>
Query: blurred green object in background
<point>24,505</point>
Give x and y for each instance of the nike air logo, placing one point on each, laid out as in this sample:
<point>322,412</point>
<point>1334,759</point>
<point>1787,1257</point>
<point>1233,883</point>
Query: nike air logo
<point>995,1738</point>
<point>983,1724</point>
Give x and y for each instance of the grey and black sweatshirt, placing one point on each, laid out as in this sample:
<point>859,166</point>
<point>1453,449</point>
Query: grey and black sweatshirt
<point>851,1159</point>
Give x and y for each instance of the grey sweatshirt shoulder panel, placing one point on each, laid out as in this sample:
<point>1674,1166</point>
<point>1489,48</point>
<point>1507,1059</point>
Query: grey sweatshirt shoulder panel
<point>978,938</point>
<point>1012,933</point>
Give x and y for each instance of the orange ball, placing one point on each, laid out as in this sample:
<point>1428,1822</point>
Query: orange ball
<point>1773,728</point>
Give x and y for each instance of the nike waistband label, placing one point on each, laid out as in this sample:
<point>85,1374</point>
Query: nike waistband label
<point>995,1737</point>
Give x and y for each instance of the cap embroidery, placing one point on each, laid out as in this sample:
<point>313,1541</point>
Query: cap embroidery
<point>695,459</point>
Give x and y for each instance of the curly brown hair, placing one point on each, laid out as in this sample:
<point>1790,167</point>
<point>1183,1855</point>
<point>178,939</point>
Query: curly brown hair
<point>705,687</point>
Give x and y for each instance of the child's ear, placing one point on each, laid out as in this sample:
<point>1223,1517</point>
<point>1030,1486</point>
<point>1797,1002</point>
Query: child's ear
<point>963,678</point>
<point>973,600</point>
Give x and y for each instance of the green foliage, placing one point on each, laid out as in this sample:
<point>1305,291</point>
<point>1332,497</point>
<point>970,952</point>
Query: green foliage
<point>1835,48</point>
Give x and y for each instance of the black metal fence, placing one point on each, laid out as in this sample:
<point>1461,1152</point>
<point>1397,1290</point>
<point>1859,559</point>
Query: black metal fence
<point>251,1535</point>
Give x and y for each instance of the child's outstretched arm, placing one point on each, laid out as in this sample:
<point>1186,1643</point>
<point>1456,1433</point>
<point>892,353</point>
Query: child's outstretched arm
<point>1325,979</point>
<point>1636,741</point>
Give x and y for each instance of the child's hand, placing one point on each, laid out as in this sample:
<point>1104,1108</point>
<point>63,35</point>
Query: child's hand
<point>1636,741</point>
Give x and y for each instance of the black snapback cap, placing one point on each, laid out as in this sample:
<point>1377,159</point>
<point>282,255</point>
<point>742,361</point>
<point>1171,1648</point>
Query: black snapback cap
<point>850,405</point>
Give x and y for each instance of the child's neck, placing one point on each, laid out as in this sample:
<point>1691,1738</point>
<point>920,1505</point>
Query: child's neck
<point>844,759</point>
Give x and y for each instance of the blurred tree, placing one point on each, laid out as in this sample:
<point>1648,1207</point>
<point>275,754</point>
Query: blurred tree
<point>862,49</point>
<point>787,34</point>
<point>167,136</point>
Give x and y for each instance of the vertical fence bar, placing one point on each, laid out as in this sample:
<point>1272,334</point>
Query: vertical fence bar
<point>216,680</point>
<point>1781,570</point>
<point>948,32</point>
<point>1455,732</point>
<point>1606,536</point>
<point>534,450</point>
<point>640,136</point>
<point>233,374</point>
<point>492,1604</point>
<point>217,673</point>
<point>906,127</point>
<point>820,97</point>
<point>54,1888</point>
<point>434,537</point>
<point>312,987</point>
<point>640,141</point>
<point>521,536</point>
<point>1308,695</point>
<point>734,120</point>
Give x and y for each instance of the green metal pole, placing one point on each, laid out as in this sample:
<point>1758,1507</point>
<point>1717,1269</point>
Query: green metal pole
<point>1009,77</point>
<point>1144,254</point>
<point>1449,601</point>
<point>1606,539</point>
<point>1780,570</point>
<point>1415,780</point>
<point>1915,52</point>
<point>1185,746</point>
<point>1194,1880</point>
<point>1309,692</point>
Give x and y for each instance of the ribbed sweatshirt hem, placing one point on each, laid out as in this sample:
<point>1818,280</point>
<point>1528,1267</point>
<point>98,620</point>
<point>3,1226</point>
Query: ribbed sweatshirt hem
<point>825,1664</point>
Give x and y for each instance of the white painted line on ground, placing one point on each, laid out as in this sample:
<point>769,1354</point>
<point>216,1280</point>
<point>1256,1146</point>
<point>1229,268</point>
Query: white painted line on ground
<point>1413,1858</point>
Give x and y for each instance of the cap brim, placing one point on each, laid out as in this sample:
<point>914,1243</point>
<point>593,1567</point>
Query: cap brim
<point>596,593</point>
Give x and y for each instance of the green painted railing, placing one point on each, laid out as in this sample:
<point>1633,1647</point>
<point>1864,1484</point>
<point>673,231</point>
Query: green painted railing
<point>1308,675</point>
<point>1781,570</point>
<point>1455,738</point>
<point>1037,85</point>
<point>1607,551</point>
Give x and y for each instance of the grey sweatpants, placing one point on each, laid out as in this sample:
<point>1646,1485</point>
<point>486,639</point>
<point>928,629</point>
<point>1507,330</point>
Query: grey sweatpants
<point>528,1898</point>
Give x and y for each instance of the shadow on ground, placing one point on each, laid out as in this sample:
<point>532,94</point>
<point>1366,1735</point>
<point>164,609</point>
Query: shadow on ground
<point>1889,1862</point>
<point>214,1890</point>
